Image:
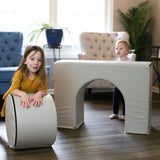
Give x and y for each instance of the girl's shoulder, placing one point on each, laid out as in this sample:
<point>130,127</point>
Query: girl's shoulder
<point>18,73</point>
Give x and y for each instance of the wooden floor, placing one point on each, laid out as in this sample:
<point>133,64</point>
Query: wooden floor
<point>98,139</point>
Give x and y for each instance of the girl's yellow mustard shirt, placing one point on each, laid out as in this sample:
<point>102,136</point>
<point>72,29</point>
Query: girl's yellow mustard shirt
<point>28,86</point>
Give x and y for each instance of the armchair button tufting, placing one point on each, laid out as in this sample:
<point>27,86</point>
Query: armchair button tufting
<point>8,58</point>
<point>15,40</point>
<point>12,49</point>
<point>87,39</point>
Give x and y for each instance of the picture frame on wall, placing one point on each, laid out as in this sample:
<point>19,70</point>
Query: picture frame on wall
<point>155,52</point>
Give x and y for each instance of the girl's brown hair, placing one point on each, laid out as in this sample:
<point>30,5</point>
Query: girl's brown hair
<point>23,67</point>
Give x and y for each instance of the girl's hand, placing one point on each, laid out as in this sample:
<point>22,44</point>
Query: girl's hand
<point>25,100</point>
<point>37,99</point>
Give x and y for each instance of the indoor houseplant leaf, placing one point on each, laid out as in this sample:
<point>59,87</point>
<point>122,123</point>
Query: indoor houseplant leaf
<point>137,22</point>
<point>54,33</point>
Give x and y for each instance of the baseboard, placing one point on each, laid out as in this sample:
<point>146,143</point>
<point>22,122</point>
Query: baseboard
<point>155,89</point>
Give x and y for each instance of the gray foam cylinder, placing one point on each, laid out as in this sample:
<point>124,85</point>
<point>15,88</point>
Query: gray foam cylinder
<point>30,128</point>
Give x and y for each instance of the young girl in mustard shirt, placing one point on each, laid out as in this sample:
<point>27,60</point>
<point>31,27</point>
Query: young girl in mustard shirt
<point>30,77</point>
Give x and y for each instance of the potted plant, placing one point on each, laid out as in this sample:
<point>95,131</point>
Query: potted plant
<point>53,33</point>
<point>137,22</point>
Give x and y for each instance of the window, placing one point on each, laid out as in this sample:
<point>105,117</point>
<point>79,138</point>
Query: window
<point>20,15</point>
<point>79,16</point>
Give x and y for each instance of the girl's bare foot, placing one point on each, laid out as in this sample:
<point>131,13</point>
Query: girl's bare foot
<point>122,118</point>
<point>113,116</point>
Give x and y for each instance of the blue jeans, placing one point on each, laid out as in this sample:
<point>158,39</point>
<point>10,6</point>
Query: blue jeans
<point>117,98</point>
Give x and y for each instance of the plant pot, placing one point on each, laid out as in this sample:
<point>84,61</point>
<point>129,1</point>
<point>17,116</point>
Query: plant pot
<point>54,36</point>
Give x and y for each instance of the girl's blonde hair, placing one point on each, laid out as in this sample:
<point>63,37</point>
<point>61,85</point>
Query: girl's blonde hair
<point>126,43</point>
<point>23,67</point>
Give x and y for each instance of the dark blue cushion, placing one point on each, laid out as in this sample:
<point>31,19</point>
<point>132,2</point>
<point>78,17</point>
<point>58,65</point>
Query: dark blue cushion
<point>6,73</point>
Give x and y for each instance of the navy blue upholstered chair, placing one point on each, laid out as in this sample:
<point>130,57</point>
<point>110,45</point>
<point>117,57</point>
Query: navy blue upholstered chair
<point>10,57</point>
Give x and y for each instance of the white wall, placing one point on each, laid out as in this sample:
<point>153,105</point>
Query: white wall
<point>155,4</point>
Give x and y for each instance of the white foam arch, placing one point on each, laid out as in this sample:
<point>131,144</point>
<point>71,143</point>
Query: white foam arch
<point>134,79</point>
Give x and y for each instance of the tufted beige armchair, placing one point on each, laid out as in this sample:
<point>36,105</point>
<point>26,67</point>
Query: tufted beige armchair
<point>101,46</point>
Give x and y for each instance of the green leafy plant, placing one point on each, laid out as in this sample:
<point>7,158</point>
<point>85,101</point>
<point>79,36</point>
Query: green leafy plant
<point>137,22</point>
<point>40,27</point>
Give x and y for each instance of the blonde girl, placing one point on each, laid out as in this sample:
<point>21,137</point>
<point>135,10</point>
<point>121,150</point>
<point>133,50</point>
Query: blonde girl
<point>122,49</point>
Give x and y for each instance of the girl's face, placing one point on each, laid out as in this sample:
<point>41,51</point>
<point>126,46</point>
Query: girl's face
<point>33,62</point>
<point>121,50</point>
